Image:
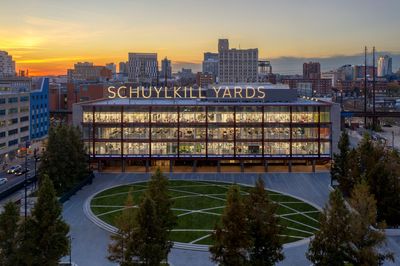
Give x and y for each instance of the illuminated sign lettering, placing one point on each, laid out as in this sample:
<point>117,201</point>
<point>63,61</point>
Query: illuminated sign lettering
<point>247,92</point>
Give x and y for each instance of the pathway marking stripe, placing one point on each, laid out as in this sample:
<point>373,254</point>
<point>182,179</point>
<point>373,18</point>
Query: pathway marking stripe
<point>117,194</point>
<point>200,238</point>
<point>300,223</point>
<point>305,215</point>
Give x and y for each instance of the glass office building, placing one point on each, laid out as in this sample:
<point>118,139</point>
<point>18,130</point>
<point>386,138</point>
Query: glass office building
<point>207,131</point>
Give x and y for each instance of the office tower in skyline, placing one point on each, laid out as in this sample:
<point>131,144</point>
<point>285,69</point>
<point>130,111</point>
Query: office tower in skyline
<point>384,66</point>
<point>89,72</point>
<point>312,70</point>
<point>7,65</point>
<point>237,65</point>
<point>143,68</point>
<point>210,64</point>
<point>166,69</point>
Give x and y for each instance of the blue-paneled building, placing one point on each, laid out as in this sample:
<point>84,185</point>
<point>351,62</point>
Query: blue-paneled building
<point>39,110</point>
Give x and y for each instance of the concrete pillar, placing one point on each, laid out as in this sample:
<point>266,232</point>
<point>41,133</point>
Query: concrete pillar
<point>218,166</point>
<point>147,166</point>
<point>171,166</point>
<point>290,166</point>
<point>266,166</point>
<point>99,165</point>
<point>313,166</point>
<point>123,165</point>
<point>241,167</point>
<point>194,170</point>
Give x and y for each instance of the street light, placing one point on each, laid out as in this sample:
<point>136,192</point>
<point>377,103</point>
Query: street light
<point>26,178</point>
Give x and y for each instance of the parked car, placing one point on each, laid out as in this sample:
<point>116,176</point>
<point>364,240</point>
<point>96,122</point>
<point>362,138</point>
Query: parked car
<point>3,180</point>
<point>21,171</point>
<point>13,169</point>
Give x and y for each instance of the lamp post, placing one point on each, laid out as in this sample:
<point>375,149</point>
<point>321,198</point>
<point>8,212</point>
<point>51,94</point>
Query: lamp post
<point>26,179</point>
<point>70,250</point>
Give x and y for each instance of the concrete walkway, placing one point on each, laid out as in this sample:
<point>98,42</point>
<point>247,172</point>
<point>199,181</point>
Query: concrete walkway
<point>89,244</point>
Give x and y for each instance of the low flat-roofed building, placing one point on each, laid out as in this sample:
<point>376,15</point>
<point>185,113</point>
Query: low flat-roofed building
<point>253,124</point>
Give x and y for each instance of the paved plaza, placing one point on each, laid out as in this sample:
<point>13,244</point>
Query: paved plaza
<point>89,244</point>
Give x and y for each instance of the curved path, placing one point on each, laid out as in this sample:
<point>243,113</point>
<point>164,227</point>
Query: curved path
<point>89,243</point>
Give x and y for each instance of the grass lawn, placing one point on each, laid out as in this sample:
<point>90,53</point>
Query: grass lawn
<point>199,205</point>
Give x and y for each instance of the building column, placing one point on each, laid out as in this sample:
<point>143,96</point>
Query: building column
<point>99,165</point>
<point>171,166</point>
<point>313,166</point>
<point>123,166</point>
<point>147,166</point>
<point>241,167</point>
<point>194,170</point>
<point>290,166</point>
<point>218,166</point>
<point>266,166</point>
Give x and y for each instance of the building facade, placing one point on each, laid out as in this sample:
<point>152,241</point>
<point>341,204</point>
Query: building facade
<point>87,71</point>
<point>14,121</point>
<point>7,65</point>
<point>312,70</point>
<point>39,110</point>
<point>166,69</point>
<point>279,128</point>
<point>143,68</point>
<point>237,65</point>
<point>210,64</point>
<point>384,66</point>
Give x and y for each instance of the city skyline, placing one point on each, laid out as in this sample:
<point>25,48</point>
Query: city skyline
<point>48,38</point>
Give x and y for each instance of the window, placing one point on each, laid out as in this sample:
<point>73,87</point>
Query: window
<point>13,110</point>
<point>13,100</point>
<point>2,134</point>
<point>13,131</point>
<point>24,109</point>
<point>2,145</point>
<point>3,112</point>
<point>24,98</point>
<point>24,139</point>
<point>24,119</point>
<point>13,121</point>
<point>2,101</point>
<point>13,142</point>
<point>23,129</point>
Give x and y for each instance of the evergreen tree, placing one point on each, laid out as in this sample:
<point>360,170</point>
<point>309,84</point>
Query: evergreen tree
<point>166,219</point>
<point>366,241</point>
<point>123,249</point>
<point>8,234</point>
<point>330,245</point>
<point>43,236</point>
<point>263,227</point>
<point>64,159</point>
<point>232,240</point>
<point>150,250</point>
<point>340,166</point>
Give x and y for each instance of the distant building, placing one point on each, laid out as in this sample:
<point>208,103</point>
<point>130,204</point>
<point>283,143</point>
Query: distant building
<point>39,110</point>
<point>14,121</point>
<point>16,82</point>
<point>143,68</point>
<point>237,65</point>
<point>320,87</point>
<point>123,68</point>
<point>359,70</point>
<point>345,72</point>
<point>86,71</point>
<point>312,70</point>
<point>384,66</point>
<point>204,79</point>
<point>7,65</point>
<point>332,75</point>
<point>166,69</point>
<point>265,72</point>
<point>112,67</point>
<point>210,64</point>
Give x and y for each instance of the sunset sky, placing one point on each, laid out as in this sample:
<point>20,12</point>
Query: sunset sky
<point>48,36</point>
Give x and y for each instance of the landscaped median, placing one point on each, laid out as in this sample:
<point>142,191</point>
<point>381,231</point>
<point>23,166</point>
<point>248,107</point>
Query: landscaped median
<point>199,205</point>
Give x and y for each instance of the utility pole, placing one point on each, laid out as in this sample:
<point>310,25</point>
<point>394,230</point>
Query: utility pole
<point>365,87</point>
<point>373,87</point>
<point>26,179</point>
